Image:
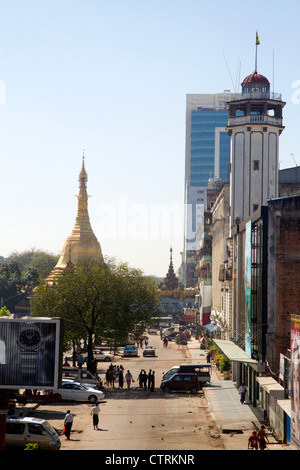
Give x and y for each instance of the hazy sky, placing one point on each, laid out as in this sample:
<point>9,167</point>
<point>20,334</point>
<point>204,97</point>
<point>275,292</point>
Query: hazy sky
<point>111,77</point>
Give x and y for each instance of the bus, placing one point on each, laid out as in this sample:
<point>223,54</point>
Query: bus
<point>160,322</point>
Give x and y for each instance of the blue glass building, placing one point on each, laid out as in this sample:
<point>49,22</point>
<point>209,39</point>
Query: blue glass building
<point>207,158</point>
<point>209,146</point>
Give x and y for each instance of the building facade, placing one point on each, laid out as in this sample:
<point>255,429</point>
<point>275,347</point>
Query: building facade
<point>207,158</point>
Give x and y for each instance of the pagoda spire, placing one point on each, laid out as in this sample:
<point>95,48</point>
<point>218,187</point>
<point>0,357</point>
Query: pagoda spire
<point>171,281</point>
<point>82,243</point>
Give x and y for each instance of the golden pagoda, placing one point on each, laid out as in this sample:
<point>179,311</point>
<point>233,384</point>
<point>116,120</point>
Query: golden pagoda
<point>82,243</point>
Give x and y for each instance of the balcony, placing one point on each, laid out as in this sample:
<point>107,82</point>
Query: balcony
<point>261,95</point>
<point>255,119</point>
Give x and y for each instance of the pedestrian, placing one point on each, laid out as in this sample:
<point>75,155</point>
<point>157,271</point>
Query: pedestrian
<point>242,392</point>
<point>149,378</point>
<point>95,414</point>
<point>253,441</point>
<point>107,377</point>
<point>152,381</point>
<point>80,361</point>
<point>262,438</point>
<point>140,378</point>
<point>66,363</point>
<point>68,422</point>
<point>112,377</point>
<point>144,379</point>
<point>128,378</point>
<point>121,378</point>
<point>208,357</point>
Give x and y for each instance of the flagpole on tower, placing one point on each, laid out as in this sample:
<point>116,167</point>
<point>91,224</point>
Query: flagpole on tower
<point>257,42</point>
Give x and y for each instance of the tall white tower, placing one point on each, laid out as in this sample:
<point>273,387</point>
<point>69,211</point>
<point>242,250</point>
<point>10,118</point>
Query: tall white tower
<point>254,124</point>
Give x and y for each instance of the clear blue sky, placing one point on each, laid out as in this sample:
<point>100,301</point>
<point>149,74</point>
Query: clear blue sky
<point>111,77</point>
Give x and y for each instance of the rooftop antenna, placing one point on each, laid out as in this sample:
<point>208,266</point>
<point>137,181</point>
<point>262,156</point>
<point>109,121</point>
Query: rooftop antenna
<point>294,159</point>
<point>273,72</point>
<point>238,75</point>
<point>228,71</point>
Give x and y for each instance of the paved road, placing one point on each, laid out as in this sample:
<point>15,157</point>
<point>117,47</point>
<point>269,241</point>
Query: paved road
<point>143,420</point>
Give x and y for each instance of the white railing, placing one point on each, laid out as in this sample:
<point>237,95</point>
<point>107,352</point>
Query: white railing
<point>254,119</point>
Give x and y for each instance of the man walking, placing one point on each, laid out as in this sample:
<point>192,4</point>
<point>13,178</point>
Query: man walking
<point>95,414</point>
<point>68,424</point>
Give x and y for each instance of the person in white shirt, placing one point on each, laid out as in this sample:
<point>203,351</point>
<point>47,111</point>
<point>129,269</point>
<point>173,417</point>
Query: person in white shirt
<point>242,392</point>
<point>68,424</point>
<point>95,414</point>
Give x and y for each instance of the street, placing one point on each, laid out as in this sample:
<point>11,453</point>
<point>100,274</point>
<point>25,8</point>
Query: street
<point>137,419</point>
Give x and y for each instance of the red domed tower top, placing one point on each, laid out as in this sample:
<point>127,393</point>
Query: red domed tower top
<point>256,78</point>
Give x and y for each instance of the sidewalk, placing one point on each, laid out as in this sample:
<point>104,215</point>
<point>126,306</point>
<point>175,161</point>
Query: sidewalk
<point>234,420</point>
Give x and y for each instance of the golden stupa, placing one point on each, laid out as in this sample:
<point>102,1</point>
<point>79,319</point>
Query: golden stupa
<point>82,243</point>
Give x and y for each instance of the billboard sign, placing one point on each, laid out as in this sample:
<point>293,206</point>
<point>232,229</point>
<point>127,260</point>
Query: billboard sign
<point>248,262</point>
<point>295,381</point>
<point>30,352</point>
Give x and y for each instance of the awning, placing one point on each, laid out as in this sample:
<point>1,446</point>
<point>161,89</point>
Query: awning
<point>212,328</point>
<point>272,387</point>
<point>233,352</point>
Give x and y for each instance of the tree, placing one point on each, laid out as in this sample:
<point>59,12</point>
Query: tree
<point>39,260</point>
<point>21,274</point>
<point>106,300</point>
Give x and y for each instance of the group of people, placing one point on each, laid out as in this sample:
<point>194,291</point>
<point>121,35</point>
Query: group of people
<point>147,380</point>
<point>69,418</point>
<point>114,374</point>
<point>140,342</point>
<point>258,439</point>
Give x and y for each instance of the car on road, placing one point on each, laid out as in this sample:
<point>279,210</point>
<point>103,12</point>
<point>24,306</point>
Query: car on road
<point>203,371</point>
<point>82,376</point>
<point>171,333</point>
<point>149,351</point>
<point>130,350</point>
<point>185,382</point>
<point>100,356</point>
<point>21,431</point>
<point>75,391</point>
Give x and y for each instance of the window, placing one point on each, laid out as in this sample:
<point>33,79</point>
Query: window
<point>256,165</point>
<point>35,429</point>
<point>15,428</point>
<point>187,379</point>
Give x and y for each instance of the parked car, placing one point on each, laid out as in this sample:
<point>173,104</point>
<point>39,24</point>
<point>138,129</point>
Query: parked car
<point>78,392</point>
<point>185,382</point>
<point>171,335</point>
<point>22,430</point>
<point>130,350</point>
<point>100,356</point>
<point>148,351</point>
<point>81,376</point>
<point>203,371</point>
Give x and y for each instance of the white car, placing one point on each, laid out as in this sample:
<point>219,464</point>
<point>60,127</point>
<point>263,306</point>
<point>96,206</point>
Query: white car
<point>100,356</point>
<point>78,392</point>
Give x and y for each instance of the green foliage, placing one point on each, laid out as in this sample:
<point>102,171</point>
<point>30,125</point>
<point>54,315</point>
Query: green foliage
<point>21,274</point>
<point>102,300</point>
<point>38,261</point>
